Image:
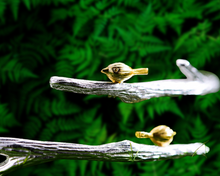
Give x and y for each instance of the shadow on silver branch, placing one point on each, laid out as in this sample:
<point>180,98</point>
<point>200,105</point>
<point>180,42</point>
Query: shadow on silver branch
<point>197,83</point>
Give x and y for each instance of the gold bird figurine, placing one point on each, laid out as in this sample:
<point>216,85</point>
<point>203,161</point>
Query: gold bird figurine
<point>119,72</point>
<point>161,135</point>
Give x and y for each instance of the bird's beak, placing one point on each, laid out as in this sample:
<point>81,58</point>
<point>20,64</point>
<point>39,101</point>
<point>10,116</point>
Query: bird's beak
<point>104,70</point>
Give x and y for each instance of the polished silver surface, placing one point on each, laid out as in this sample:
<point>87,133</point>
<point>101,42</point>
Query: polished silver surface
<point>23,152</point>
<point>197,83</point>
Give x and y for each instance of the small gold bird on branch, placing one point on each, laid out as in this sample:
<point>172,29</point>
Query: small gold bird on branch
<point>120,72</point>
<point>161,135</point>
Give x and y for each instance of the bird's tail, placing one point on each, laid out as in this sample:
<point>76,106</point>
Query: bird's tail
<point>140,71</point>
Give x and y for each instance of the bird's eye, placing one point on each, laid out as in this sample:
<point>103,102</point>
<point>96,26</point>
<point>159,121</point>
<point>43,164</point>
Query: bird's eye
<point>115,69</point>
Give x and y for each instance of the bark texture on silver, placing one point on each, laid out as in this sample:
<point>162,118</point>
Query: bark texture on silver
<point>197,83</point>
<point>23,152</point>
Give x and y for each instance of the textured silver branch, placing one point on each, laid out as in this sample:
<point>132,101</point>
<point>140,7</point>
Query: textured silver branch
<point>197,83</point>
<point>23,152</point>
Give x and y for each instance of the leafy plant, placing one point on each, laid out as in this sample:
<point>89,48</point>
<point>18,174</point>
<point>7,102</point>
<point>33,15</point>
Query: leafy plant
<point>44,38</point>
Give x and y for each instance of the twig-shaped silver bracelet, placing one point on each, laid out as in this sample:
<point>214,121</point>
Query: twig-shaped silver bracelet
<point>22,152</point>
<point>197,83</point>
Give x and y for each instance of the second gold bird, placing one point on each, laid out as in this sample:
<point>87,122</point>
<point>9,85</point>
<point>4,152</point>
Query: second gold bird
<point>119,72</point>
<point>161,135</point>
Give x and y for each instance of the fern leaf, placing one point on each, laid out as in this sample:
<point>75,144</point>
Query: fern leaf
<point>144,20</point>
<point>102,4</point>
<point>27,4</point>
<point>7,118</point>
<point>32,90</point>
<point>112,48</point>
<point>155,168</point>
<point>94,165</point>
<point>212,6</point>
<point>126,36</point>
<point>184,136</point>
<point>89,115</point>
<point>39,52</point>
<point>162,105</point>
<point>161,23</point>
<point>4,31</point>
<point>151,39</point>
<point>72,165</point>
<point>61,129</point>
<point>112,12</point>
<point>192,164</point>
<point>80,21</point>
<point>120,169</point>
<point>67,136</point>
<point>151,48</point>
<point>150,111</point>
<point>82,166</point>
<point>99,26</point>
<point>14,7</point>
<point>204,102</point>
<point>83,4</point>
<point>111,138</point>
<point>64,68</point>
<point>2,8</point>
<point>101,137</point>
<point>204,53</point>
<point>32,127</point>
<point>58,14</point>
<point>87,52</point>
<point>138,108</point>
<point>62,107</point>
<point>200,130</point>
<point>46,134</point>
<point>3,130</point>
<point>192,38</point>
<point>175,21</point>
<point>94,128</point>
<point>181,40</point>
<point>125,110</point>
<point>93,73</point>
<point>38,2</point>
<point>131,3</point>
<point>145,15</point>
<point>14,70</point>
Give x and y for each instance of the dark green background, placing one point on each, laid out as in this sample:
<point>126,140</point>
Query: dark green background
<point>44,38</point>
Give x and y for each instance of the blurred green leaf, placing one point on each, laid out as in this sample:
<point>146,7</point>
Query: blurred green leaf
<point>7,118</point>
<point>82,166</point>
<point>3,130</point>
<point>2,8</point>
<point>111,138</point>
<point>14,70</point>
<point>14,7</point>
<point>44,38</point>
<point>139,110</point>
<point>120,169</point>
<point>58,14</point>
<point>162,105</point>
<point>27,4</point>
<point>155,168</point>
<point>125,110</point>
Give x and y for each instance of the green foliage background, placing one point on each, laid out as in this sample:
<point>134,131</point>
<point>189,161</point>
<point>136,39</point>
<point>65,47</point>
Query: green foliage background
<point>77,38</point>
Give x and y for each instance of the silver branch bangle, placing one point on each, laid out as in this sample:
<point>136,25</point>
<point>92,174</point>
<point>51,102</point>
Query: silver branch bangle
<point>22,152</point>
<point>197,83</point>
